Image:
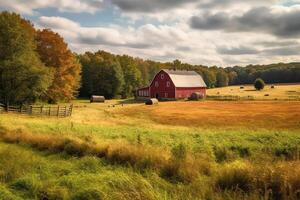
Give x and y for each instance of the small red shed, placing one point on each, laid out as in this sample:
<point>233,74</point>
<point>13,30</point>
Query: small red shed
<point>173,84</point>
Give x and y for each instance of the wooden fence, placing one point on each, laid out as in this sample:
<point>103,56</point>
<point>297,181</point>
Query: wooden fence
<point>228,97</point>
<point>54,111</point>
<point>248,98</point>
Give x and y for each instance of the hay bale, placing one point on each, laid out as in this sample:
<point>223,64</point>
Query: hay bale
<point>196,96</point>
<point>272,86</point>
<point>97,99</point>
<point>242,87</point>
<point>152,101</point>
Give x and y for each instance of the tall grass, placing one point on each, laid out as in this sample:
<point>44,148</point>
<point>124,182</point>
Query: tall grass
<point>179,150</point>
<point>178,166</point>
<point>279,180</point>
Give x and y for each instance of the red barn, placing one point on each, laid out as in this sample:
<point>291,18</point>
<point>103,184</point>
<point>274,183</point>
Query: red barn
<point>173,84</point>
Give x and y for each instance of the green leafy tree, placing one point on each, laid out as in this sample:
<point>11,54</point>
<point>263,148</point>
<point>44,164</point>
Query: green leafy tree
<point>132,76</point>
<point>23,77</point>
<point>102,75</point>
<point>209,78</point>
<point>259,84</point>
<point>222,79</point>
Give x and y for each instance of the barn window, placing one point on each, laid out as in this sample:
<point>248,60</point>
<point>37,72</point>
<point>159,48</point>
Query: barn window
<point>162,76</point>
<point>168,84</point>
<point>156,83</point>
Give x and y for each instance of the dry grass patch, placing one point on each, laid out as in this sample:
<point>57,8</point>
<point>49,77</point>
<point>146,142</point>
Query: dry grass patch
<point>280,180</point>
<point>279,92</point>
<point>250,114</point>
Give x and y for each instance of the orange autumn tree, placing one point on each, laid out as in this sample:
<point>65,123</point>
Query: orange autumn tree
<point>55,54</point>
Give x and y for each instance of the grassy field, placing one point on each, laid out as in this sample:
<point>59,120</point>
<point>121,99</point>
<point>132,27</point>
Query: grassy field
<point>175,150</point>
<point>279,92</point>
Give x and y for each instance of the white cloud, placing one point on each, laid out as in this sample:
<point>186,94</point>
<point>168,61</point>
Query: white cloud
<point>160,30</point>
<point>29,6</point>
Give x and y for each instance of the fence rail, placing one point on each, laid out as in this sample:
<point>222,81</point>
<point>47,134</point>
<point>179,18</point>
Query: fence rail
<point>248,98</point>
<point>54,111</point>
<point>228,97</point>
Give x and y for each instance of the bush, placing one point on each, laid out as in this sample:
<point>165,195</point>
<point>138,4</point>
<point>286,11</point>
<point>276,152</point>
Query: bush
<point>259,84</point>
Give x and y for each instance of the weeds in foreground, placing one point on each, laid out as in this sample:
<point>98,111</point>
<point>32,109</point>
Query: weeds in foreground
<point>278,180</point>
<point>178,167</point>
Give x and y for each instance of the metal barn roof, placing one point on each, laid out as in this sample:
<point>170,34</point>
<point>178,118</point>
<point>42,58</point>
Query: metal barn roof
<point>182,78</point>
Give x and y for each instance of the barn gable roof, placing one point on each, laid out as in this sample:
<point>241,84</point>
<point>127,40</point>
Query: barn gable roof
<point>183,78</point>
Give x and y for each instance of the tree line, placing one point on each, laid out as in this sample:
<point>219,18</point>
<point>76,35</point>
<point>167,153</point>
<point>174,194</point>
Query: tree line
<point>35,64</point>
<point>38,65</point>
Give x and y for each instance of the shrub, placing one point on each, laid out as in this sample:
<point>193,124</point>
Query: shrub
<point>259,84</point>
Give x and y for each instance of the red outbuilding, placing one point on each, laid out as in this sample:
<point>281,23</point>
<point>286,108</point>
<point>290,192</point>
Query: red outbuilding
<point>173,84</point>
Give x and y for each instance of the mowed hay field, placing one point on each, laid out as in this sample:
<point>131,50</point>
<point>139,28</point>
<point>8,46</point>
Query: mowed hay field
<point>174,150</point>
<point>217,115</point>
<point>279,92</point>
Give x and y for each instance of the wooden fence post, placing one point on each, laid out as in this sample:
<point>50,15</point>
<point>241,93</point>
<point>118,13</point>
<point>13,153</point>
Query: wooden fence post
<point>65,111</point>
<point>30,110</point>
<point>71,110</point>
<point>57,111</point>
<point>41,109</point>
<point>49,111</point>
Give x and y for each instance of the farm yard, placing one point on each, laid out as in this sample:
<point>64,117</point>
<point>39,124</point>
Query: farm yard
<point>78,122</point>
<point>173,150</point>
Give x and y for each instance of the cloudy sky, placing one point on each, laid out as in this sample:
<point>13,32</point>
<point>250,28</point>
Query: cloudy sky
<point>208,32</point>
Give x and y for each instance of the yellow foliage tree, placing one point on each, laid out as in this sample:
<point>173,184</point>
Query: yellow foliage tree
<point>55,54</point>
